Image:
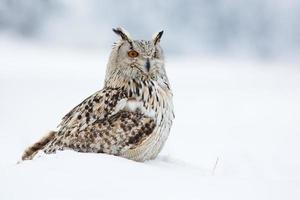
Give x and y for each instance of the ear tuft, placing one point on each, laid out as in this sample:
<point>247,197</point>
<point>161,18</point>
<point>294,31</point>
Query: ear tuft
<point>122,33</point>
<point>157,36</point>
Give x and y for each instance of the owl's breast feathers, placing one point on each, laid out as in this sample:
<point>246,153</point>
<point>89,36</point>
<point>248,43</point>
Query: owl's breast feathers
<point>111,121</point>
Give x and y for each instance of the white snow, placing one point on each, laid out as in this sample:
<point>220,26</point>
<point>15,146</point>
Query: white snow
<point>235,136</point>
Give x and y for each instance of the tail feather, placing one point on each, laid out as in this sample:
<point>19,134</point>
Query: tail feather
<point>31,151</point>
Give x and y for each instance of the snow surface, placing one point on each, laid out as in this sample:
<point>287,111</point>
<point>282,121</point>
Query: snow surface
<point>235,135</point>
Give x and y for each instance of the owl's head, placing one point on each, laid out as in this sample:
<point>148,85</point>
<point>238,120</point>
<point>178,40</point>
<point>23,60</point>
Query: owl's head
<point>136,58</point>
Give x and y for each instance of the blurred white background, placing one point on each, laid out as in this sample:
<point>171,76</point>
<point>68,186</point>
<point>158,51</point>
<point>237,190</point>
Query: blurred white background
<point>264,29</point>
<point>234,70</point>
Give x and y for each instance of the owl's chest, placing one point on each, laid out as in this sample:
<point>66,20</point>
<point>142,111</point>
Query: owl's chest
<point>134,105</point>
<point>151,100</point>
<point>154,102</point>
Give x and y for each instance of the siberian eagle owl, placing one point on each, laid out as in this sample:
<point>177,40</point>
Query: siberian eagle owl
<point>130,117</point>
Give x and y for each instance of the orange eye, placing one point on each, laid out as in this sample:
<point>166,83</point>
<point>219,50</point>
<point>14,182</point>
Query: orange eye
<point>133,54</point>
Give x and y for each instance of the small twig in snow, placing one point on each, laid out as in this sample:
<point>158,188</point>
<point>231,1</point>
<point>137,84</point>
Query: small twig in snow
<point>215,166</point>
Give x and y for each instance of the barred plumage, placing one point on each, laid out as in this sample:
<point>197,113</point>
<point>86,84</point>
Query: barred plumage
<point>131,117</point>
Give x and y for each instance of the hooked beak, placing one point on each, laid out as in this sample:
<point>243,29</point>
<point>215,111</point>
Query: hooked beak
<point>147,65</point>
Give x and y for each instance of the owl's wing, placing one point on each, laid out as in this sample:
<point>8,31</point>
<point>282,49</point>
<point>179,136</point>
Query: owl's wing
<point>114,135</point>
<point>100,105</point>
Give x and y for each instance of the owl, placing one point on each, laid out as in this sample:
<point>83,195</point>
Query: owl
<point>130,117</point>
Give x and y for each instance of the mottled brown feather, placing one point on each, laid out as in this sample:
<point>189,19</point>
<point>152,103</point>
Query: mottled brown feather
<point>122,131</point>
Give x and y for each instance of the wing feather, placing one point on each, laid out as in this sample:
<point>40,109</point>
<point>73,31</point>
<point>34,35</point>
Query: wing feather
<point>100,105</point>
<point>115,135</point>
